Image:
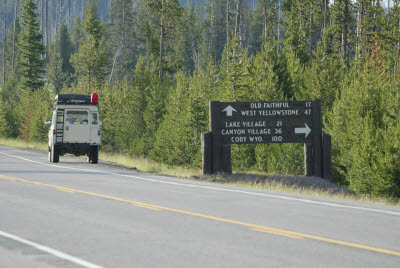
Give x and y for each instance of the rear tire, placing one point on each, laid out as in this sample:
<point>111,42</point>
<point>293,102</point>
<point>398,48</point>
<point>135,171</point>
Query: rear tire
<point>55,155</point>
<point>95,155</point>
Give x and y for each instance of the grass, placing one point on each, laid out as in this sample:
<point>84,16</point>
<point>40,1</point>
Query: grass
<point>149,166</point>
<point>281,187</point>
<point>146,165</point>
<point>23,144</point>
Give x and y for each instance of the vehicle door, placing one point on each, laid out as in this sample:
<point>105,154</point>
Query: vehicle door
<point>94,127</point>
<point>77,127</point>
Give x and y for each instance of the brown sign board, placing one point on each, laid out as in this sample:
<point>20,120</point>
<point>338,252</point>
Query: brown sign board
<point>266,122</point>
<point>263,122</point>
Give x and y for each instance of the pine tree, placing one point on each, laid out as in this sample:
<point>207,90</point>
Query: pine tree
<point>164,15</point>
<point>177,141</point>
<point>30,48</point>
<point>122,104</point>
<point>185,53</point>
<point>41,111</point>
<point>342,25</point>
<point>235,72</point>
<point>156,98</point>
<point>65,49</point>
<point>365,123</point>
<point>305,18</point>
<point>123,29</point>
<point>264,80</point>
<point>92,58</point>
<point>77,34</point>
<point>9,52</point>
<point>15,31</point>
<point>9,119</point>
<point>215,36</point>
<point>56,77</point>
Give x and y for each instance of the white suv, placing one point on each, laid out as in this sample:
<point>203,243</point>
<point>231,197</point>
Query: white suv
<point>75,127</point>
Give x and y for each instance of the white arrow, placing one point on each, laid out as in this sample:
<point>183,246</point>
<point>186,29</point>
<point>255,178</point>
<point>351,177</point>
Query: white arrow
<point>303,130</point>
<point>229,110</point>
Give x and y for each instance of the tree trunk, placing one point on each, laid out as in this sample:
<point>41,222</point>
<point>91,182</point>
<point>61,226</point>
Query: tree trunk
<point>123,33</point>
<point>378,4</point>
<point>70,13</point>
<point>162,33</point>
<point>75,11</point>
<point>211,39</point>
<point>61,14</point>
<point>14,37</point>
<point>398,49</point>
<point>89,80</point>
<point>326,3</point>
<point>238,15</point>
<point>360,14</point>
<point>113,66</point>
<point>42,20</point>
<point>239,24</point>
<point>57,15</point>
<point>345,29</point>
<point>81,15</point>
<point>227,21</point>
<point>47,29</point>
<point>279,23</point>
<point>5,42</point>
<point>265,24</point>
<point>310,36</point>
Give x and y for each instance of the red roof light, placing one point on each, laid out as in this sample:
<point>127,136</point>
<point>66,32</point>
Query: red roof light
<point>94,98</point>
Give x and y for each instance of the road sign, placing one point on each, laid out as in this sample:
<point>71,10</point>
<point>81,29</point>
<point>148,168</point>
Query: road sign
<point>300,130</point>
<point>263,122</point>
<point>266,122</point>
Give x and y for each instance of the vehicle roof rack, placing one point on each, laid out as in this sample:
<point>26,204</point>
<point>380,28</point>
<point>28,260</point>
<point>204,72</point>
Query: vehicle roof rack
<point>73,99</point>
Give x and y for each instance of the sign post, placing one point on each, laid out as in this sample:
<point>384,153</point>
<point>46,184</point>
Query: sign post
<point>317,138</point>
<point>216,144</point>
<point>266,122</point>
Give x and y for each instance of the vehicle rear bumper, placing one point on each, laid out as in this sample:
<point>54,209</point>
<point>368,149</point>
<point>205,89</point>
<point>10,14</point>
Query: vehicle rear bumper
<point>74,148</point>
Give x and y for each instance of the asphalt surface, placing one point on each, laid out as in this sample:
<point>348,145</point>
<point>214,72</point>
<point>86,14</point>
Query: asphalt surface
<point>75,214</point>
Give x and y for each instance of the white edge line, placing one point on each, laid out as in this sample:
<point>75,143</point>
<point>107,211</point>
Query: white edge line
<point>215,188</point>
<point>51,251</point>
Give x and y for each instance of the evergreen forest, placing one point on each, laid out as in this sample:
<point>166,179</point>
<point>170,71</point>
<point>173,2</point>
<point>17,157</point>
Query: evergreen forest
<point>156,64</point>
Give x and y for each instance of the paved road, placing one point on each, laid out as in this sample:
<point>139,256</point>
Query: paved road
<point>75,214</point>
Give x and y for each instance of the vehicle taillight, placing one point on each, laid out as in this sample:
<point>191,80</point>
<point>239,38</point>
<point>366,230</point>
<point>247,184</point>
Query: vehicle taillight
<point>54,131</point>
<point>94,98</point>
<point>99,132</point>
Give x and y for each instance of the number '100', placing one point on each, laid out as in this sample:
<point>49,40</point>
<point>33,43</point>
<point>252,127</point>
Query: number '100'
<point>276,138</point>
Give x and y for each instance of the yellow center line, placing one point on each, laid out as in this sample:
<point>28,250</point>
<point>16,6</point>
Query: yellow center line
<point>254,227</point>
<point>7,178</point>
<point>65,190</point>
<point>282,233</point>
<point>148,207</point>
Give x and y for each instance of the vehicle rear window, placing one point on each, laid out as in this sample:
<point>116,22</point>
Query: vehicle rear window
<point>77,117</point>
<point>94,119</point>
